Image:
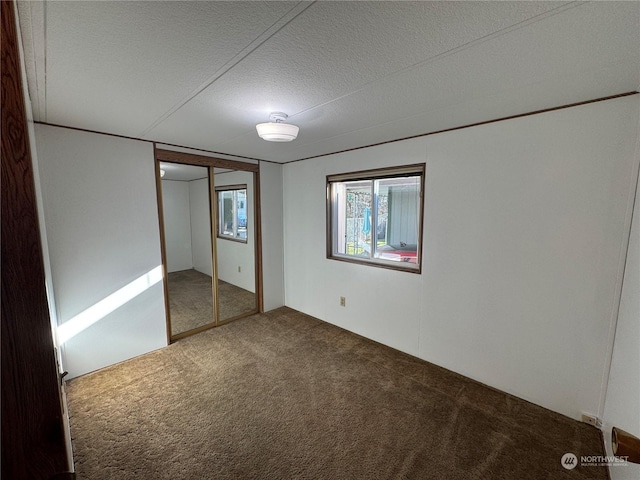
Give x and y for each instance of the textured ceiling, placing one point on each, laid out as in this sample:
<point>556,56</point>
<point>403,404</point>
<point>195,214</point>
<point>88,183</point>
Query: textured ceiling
<point>202,74</point>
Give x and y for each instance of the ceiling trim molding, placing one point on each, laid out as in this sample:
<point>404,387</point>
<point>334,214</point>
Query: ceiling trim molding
<point>86,130</point>
<point>435,132</point>
<point>484,122</point>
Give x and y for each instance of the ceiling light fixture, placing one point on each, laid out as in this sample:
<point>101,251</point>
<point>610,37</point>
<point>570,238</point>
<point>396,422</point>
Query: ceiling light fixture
<point>276,130</point>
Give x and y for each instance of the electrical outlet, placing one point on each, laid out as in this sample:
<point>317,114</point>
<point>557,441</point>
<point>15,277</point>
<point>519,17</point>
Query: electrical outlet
<point>239,269</point>
<point>343,302</point>
<point>591,420</point>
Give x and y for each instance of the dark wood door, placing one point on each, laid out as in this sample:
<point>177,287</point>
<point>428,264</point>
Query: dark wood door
<point>33,444</point>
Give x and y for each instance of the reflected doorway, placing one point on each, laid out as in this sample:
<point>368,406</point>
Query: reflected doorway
<point>209,217</point>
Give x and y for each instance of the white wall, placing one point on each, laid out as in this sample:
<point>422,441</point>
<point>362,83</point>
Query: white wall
<point>200,207</point>
<point>622,408</point>
<point>525,224</point>
<point>177,225</point>
<point>271,209</point>
<point>232,254</point>
<point>102,228</point>
<point>187,224</point>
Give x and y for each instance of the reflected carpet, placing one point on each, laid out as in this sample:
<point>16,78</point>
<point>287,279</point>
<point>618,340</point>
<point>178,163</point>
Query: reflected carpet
<point>190,300</point>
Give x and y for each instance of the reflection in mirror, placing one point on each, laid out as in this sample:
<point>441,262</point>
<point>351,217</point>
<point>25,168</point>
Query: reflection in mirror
<point>235,242</point>
<point>187,231</point>
<point>232,212</point>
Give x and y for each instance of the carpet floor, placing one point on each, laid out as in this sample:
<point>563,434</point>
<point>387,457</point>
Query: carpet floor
<point>282,395</point>
<point>191,300</point>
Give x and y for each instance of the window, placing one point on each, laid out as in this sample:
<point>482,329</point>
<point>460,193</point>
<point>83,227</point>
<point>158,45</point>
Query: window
<point>232,212</point>
<point>375,217</point>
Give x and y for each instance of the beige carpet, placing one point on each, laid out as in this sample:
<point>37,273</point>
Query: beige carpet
<point>234,300</point>
<point>285,396</point>
<point>190,300</point>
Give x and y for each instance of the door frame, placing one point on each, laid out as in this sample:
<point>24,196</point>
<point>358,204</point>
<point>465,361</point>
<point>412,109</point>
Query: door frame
<point>162,155</point>
<point>34,443</point>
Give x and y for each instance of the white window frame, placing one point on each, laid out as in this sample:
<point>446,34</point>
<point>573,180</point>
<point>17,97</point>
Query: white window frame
<point>220,214</point>
<point>337,223</point>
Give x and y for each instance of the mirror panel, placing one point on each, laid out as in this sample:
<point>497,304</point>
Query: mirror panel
<point>235,242</point>
<point>187,233</point>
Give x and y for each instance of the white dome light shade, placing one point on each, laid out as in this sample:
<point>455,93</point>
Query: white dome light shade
<point>277,131</point>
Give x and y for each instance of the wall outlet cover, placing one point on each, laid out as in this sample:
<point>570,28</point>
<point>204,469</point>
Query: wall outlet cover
<point>591,419</point>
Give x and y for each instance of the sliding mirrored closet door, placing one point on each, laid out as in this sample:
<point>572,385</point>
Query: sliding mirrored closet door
<point>235,242</point>
<point>187,239</point>
<point>210,230</point>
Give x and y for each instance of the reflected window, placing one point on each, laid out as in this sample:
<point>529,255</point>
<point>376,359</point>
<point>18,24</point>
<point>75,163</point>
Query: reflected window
<point>232,212</point>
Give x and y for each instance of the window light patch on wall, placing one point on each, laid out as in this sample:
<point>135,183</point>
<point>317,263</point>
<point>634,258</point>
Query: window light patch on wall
<point>107,305</point>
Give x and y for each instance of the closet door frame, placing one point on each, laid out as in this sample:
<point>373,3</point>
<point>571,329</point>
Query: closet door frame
<point>171,156</point>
